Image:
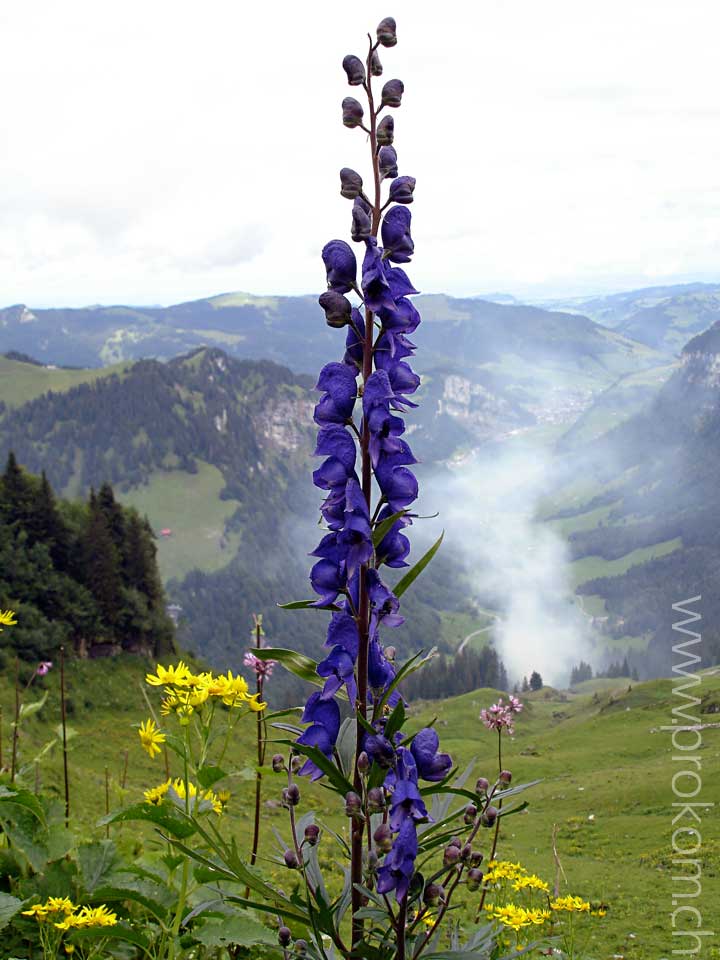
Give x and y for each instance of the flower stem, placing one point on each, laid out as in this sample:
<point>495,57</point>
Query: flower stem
<point>63,719</point>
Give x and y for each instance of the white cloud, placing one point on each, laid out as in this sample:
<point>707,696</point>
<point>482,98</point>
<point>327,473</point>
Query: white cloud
<point>157,152</point>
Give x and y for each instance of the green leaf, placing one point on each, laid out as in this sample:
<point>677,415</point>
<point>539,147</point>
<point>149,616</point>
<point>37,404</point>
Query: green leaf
<point>395,720</point>
<point>97,862</point>
<point>341,784</point>
<point>22,798</point>
<point>28,709</point>
<point>165,815</point>
<point>117,932</point>
<point>138,892</point>
<point>297,663</point>
<point>207,776</point>
<point>383,528</point>
<point>234,930</point>
<point>9,906</point>
<point>412,574</point>
<point>303,605</point>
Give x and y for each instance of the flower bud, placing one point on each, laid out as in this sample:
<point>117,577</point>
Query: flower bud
<point>296,763</point>
<point>390,654</point>
<point>301,947</point>
<point>470,813</point>
<point>401,190</point>
<point>387,162</point>
<point>291,860</point>
<point>361,227</point>
<point>391,95</point>
<point>312,834</point>
<point>466,852</point>
<point>434,893</point>
<point>338,311</point>
<point>353,804</point>
<point>352,112</point>
<point>278,763</point>
<point>474,878</point>
<point>383,838</point>
<point>455,842</point>
<point>372,861</point>
<point>353,67</point>
<point>284,936</point>
<point>505,776</point>
<point>291,795</point>
<point>386,131</point>
<point>386,32</point>
<point>376,799</point>
<point>376,67</point>
<point>451,855</point>
<point>476,858</point>
<point>489,816</point>
<point>482,785</point>
<point>363,762</point>
<point>350,183</point>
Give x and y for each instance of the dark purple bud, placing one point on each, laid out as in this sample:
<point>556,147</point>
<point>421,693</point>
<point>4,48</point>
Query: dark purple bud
<point>489,816</point>
<point>352,112</point>
<point>386,131</point>
<point>392,92</point>
<point>296,763</point>
<point>363,762</point>
<point>284,936</point>
<point>470,813</point>
<point>474,878</point>
<point>312,834</point>
<point>353,67</point>
<point>505,776</point>
<point>466,852</point>
<point>482,785</point>
<point>278,763</point>
<point>375,65</point>
<point>338,311</point>
<point>386,32</point>
<point>291,860</point>
<point>476,858</point>
<point>401,189</point>
<point>387,161</point>
<point>455,842</point>
<point>301,947</point>
<point>383,838</point>
<point>451,855</point>
<point>350,183</point>
<point>340,264</point>
<point>361,227</point>
<point>291,795</point>
<point>353,804</point>
<point>372,861</point>
<point>434,893</point>
<point>376,799</point>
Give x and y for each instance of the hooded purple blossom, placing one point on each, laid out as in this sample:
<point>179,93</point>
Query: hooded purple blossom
<point>375,286</point>
<point>431,765</point>
<point>335,443</point>
<point>337,382</point>
<point>388,162</point>
<point>324,719</point>
<point>394,546</point>
<point>341,265</point>
<point>401,190</point>
<point>399,865</point>
<point>395,231</point>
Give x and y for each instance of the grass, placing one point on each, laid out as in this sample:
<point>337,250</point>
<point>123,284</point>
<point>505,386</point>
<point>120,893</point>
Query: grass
<point>22,382</point>
<point>590,568</point>
<point>455,627</point>
<point>605,764</point>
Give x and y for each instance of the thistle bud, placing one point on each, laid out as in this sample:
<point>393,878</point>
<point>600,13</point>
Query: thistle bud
<point>278,763</point>
<point>401,190</point>
<point>466,852</point>
<point>451,855</point>
<point>474,878</point>
<point>350,183</point>
<point>386,32</point>
<point>312,834</point>
<point>353,67</point>
<point>434,893</point>
<point>284,936</point>
<point>489,816</point>
<point>482,785</point>
<point>505,776</point>
<point>338,311</point>
<point>353,804</point>
<point>361,227</point>
<point>291,795</point>
<point>376,66</point>
<point>352,112</point>
<point>386,131</point>
<point>387,162</point>
<point>376,799</point>
<point>291,860</point>
<point>392,92</point>
<point>470,813</point>
<point>301,947</point>
<point>383,838</point>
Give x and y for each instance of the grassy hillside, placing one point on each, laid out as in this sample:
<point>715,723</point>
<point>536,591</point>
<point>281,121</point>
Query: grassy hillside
<point>22,382</point>
<point>606,769</point>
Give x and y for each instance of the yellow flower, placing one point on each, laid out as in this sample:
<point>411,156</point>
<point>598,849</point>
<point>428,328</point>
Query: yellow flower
<point>232,690</point>
<point>256,705</point>
<point>499,870</point>
<point>150,738</point>
<point>571,904</point>
<point>530,882</point>
<point>89,917</point>
<point>37,910</point>
<point>7,618</point>
<point>600,912</point>
<point>157,794</point>
<point>223,798</point>
<point>60,904</point>
<point>178,675</point>
<point>510,916</point>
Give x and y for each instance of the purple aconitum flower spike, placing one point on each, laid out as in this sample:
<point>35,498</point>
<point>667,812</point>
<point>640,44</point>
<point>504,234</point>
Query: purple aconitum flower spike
<point>386,131</point>
<point>350,183</point>
<point>376,67</point>
<point>392,92</point>
<point>387,162</point>
<point>355,70</point>
<point>361,220</point>
<point>352,112</point>
<point>338,309</point>
<point>401,189</point>
<point>387,32</point>
<point>340,265</point>
<point>395,230</point>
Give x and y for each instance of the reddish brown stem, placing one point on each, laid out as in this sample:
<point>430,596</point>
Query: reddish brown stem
<point>63,720</point>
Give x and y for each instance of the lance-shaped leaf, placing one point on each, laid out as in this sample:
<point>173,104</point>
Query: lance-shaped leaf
<point>164,815</point>
<point>414,572</point>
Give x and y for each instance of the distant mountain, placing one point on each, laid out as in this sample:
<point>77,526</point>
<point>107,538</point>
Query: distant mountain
<point>662,317</point>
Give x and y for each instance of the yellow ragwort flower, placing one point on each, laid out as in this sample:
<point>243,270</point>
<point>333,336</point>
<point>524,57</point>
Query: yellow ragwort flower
<point>499,870</point>
<point>510,916</point>
<point>157,794</point>
<point>571,904</point>
<point>37,910</point>
<point>530,882</point>
<point>178,676</point>
<point>89,917</point>
<point>151,738</point>
<point>7,618</point>
<point>60,905</point>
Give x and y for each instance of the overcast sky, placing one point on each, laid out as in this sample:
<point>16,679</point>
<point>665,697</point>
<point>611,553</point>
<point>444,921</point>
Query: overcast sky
<point>153,151</point>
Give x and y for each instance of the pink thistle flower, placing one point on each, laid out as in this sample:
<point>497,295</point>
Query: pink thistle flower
<point>501,715</point>
<point>45,666</point>
<point>262,668</point>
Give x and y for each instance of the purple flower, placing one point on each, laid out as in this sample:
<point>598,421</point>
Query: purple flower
<point>386,131</point>
<point>391,95</point>
<point>335,443</point>
<point>324,719</point>
<point>354,342</point>
<point>338,383</point>
<point>262,668</point>
<point>340,265</point>
<point>353,67</point>
<point>399,865</point>
<point>379,749</point>
<point>338,309</point>
<point>375,286</point>
<point>361,220</point>
<point>381,672</point>
<point>387,162</point>
<point>431,765</point>
<point>501,715</point>
<point>352,112</point>
<point>45,666</point>
<point>394,546</point>
<point>328,576</point>
<point>339,668</point>
<point>387,32</point>
<point>351,183</point>
<point>395,232</point>
<point>401,189</point>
